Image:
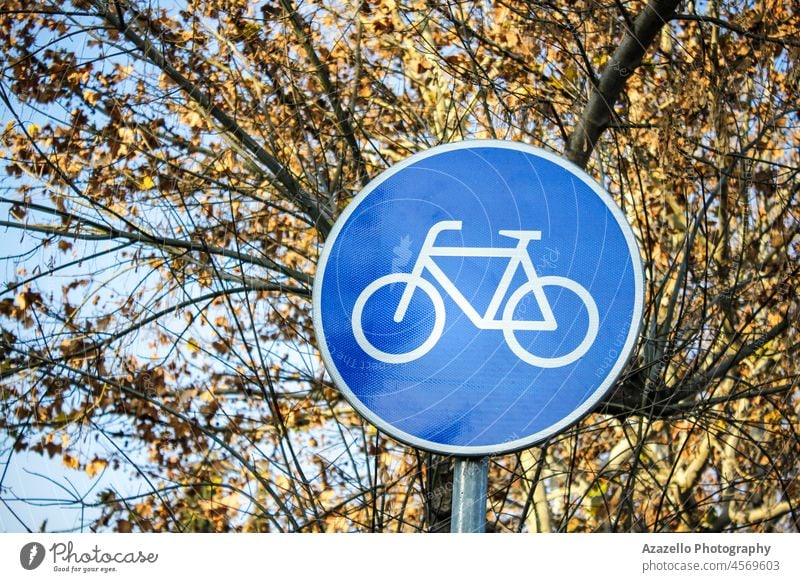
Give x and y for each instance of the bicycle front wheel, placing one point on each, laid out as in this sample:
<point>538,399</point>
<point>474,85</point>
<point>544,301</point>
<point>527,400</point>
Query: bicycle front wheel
<point>413,354</point>
<point>557,361</point>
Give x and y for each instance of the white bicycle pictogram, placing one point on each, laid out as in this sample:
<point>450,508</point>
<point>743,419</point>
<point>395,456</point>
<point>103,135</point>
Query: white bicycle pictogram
<point>518,256</point>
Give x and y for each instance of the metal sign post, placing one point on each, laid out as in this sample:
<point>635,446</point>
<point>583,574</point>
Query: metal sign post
<point>470,482</point>
<point>475,299</point>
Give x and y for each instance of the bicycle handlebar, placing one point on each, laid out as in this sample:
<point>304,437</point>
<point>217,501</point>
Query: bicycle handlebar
<point>522,234</point>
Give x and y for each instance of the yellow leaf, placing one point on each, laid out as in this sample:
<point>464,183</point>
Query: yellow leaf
<point>126,134</point>
<point>91,97</point>
<point>597,489</point>
<point>27,298</point>
<point>95,467</point>
<point>70,461</point>
<point>147,183</point>
<point>512,38</point>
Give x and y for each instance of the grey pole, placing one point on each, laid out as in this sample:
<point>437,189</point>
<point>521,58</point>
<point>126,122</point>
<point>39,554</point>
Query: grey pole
<point>470,480</point>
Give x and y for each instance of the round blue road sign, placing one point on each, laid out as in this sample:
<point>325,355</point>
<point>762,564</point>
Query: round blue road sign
<point>478,297</point>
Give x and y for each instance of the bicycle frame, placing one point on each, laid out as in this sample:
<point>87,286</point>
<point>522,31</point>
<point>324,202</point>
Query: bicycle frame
<point>517,256</point>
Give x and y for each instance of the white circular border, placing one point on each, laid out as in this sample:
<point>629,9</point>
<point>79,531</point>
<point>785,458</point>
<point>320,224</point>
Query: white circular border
<point>506,447</point>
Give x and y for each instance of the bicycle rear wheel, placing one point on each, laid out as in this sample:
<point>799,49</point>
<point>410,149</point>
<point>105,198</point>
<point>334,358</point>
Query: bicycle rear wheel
<point>552,362</point>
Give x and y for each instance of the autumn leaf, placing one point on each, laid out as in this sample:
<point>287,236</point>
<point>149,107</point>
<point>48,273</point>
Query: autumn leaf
<point>69,461</point>
<point>27,299</point>
<point>95,466</point>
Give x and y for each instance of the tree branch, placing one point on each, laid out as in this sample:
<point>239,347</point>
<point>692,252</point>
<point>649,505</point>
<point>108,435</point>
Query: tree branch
<point>737,29</point>
<point>626,59</point>
<point>342,120</point>
<point>111,233</point>
<point>312,208</point>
